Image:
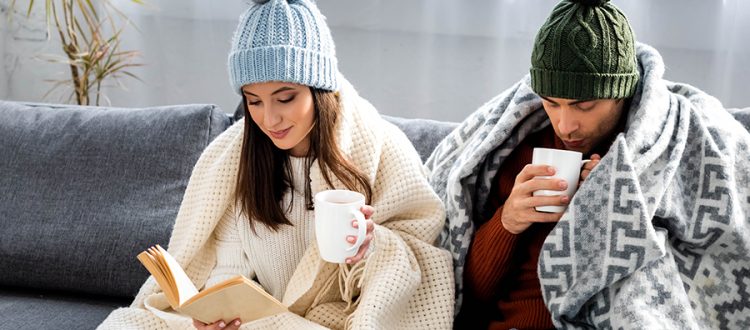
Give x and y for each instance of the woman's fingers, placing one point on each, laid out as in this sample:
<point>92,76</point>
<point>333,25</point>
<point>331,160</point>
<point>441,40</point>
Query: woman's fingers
<point>370,225</point>
<point>367,211</point>
<point>361,253</point>
<point>220,325</point>
<point>234,325</point>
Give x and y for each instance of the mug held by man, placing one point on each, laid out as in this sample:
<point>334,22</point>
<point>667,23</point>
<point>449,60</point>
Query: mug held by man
<point>567,166</point>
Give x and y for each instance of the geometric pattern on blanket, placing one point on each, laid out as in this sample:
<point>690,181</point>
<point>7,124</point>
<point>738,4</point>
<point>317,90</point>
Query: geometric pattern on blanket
<point>659,234</point>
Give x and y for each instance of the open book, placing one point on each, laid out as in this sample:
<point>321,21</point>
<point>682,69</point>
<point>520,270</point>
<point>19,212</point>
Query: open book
<point>230,299</point>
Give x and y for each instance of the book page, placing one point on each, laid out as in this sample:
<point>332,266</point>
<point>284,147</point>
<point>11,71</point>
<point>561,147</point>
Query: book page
<point>152,265</point>
<point>185,287</point>
<point>235,297</point>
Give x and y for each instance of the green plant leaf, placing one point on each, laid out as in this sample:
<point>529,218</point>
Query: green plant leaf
<point>31,6</point>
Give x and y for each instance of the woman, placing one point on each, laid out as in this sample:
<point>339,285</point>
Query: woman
<point>248,207</point>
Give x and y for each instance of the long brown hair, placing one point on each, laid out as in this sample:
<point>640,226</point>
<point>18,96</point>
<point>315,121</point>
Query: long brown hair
<point>265,173</point>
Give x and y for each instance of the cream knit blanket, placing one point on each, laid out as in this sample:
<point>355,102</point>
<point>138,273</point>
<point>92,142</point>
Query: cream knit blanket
<point>405,283</point>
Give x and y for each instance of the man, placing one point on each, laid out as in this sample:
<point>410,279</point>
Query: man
<point>655,236</point>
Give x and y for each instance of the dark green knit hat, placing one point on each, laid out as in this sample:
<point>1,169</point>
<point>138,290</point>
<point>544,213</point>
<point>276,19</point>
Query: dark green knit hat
<point>585,50</point>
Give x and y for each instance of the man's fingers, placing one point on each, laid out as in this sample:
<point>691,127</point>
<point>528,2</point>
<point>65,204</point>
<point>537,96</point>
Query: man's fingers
<point>530,171</point>
<point>590,165</point>
<point>533,185</point>
<point>545,201</point>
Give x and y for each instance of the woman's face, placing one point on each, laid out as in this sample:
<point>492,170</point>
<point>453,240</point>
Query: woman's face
<point>285,112</point>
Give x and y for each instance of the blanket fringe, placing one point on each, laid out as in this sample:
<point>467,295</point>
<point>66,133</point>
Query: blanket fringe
<point>350,285</point>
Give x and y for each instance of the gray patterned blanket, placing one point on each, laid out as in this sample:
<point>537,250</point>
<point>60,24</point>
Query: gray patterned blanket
<point>658,237</point>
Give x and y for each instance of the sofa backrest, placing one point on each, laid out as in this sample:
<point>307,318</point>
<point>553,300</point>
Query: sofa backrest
<point>83,190</point>
<point>742,115</point>
<point>424,134</point>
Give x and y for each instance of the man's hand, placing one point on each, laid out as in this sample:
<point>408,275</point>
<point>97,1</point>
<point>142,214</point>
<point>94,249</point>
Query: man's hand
<point>518,210</point>
<point>588,167</point>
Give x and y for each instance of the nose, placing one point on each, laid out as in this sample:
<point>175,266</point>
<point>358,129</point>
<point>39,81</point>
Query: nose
<point>567,123</point>
<point>271,118</point>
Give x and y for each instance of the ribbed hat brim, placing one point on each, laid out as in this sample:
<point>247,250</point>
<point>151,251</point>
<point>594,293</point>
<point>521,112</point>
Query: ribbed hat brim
<point>583,86</point>
<point>282,63</point>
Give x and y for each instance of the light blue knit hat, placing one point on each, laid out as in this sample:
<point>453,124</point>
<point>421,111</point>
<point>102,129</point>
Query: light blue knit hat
<point>283,40</point>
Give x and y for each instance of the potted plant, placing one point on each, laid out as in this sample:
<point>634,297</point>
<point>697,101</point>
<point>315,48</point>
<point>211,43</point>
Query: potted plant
<point>90,37</point>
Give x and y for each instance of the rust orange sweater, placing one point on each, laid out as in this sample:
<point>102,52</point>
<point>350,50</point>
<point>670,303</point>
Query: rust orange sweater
<point>502,289</point>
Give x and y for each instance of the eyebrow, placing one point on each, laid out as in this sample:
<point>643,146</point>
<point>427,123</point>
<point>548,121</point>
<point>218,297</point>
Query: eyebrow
<point>571,103</point>
<point>282,89</point>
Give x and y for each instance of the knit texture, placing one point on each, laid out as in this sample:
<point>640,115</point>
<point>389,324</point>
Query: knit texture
<point>406,282</point>
<point>585,50</point>
<point>283,40</point>
<point>270,256</point>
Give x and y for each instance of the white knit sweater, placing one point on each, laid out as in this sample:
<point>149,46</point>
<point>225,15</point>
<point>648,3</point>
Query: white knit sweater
<point>406,283</point>
<point>270,256</point>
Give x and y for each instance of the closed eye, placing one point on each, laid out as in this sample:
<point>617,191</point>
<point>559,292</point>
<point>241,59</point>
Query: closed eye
<point>585,106</point>
<point>287,100</point>
<point>253,103</point>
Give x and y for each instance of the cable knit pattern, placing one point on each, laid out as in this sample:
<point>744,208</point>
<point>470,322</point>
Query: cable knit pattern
<point>405,283</point>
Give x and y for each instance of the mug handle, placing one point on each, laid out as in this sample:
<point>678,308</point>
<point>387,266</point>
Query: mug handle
<point>361,230</point>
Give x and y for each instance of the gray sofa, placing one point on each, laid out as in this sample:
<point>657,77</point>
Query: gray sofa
<point>84,190</point>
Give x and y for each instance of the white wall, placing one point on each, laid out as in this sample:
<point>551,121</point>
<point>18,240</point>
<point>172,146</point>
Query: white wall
<point>438,59</point>
<point>3,78</point>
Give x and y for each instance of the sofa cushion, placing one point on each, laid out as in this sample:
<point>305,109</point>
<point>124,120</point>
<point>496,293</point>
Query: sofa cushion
<point>83,190</point>
<point>24,309</point>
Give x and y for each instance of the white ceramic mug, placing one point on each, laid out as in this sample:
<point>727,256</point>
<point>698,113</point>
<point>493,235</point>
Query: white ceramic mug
<point>334,212</point>
<point>567,166</point>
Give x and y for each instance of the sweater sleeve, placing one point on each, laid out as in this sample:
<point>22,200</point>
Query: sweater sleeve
<point>490,257</point>
<point>231,259</point>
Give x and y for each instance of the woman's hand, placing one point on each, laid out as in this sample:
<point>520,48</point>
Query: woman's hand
<point>367,210</point>
<point>221,325</point>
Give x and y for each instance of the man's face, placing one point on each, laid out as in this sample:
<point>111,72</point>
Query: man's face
<point>583,124</point>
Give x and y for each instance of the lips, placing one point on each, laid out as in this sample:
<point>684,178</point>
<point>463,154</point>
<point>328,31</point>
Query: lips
<point>573,143</point>
<point>279,134</point>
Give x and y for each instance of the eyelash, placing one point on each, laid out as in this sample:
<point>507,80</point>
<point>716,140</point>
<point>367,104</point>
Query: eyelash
<point>287,100</point>
<point>282,101</point>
